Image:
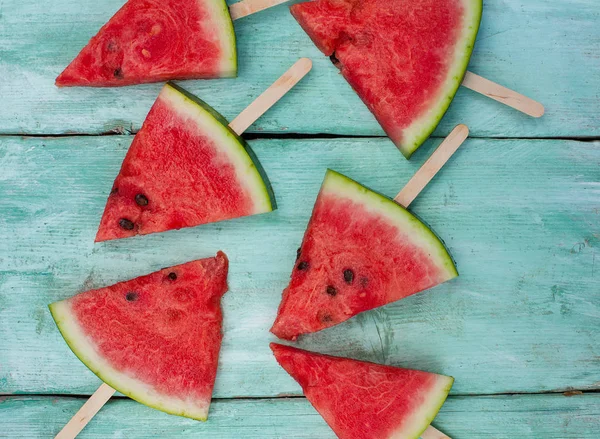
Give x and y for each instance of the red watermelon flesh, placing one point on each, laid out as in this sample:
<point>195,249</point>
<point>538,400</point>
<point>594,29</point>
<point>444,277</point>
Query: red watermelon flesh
<point>361,400</point>
<point>185,167</point>
<point>155,338</point>
<point>360,251</point>
<point>152,40</point>
<point>404,58</point>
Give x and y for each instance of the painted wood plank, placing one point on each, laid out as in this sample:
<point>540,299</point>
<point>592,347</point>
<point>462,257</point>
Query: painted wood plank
<point>500,417</point>
<point>521,218</point>
<point>549,51</point>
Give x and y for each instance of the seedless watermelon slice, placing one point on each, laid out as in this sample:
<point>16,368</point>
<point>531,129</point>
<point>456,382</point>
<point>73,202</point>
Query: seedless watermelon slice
<point>185,167</point>
<point>157,40</point>
<point>155,338</point>
<point>361,400</point>
<point>404,58</point>
<point>360,251</point>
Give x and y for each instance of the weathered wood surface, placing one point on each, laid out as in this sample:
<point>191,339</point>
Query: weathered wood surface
<point>499,417</point>
<point>521,218</point>
<point>548,50</point>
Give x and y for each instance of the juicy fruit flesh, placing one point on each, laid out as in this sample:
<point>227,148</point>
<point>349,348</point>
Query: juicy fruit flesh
<point>175,175</point>
<point>163,329</point>
<point>352,259</point>
<point>361,400</point>
<point>396,61</point>
<point>152,40</point>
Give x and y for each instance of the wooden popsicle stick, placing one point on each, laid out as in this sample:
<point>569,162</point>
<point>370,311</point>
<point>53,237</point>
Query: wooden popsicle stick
<point>433,164</point>
<point>434,433</point>
<point>271,95</point>
<point>86,412</point>
<point>504,95</point>
<point>246,118</point>
<point>248,7</point>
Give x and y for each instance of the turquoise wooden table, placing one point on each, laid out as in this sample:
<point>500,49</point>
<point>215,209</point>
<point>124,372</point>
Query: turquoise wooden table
<point>518,206</point>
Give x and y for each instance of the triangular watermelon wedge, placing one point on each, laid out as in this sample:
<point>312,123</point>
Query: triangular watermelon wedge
<point>155,338</point>
<point>185,167</point>
<point>152,41</point>
<point>404,58</point>
<point>360,251</point>
<point>361,400</point>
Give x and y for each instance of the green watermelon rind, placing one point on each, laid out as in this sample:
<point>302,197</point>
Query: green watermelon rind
<point>426,125</point>
<point>339,184</point>
<point>85,351</point>
<point>263,191</point>
<point>428,412</point>
<point>229,64</point>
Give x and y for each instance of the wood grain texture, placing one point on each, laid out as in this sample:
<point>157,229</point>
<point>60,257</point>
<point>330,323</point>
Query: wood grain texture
<point>521,218</point>
<point>505,417</point>
<point>549,51</point>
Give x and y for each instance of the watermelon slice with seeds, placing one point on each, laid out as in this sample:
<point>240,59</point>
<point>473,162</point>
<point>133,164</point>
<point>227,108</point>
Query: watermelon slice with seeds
<point>404,58</point>
<point>152,41</point>
<point>361,400</point>
<point>155,338</point>
<point>185,167</point>
<point>360,251</point>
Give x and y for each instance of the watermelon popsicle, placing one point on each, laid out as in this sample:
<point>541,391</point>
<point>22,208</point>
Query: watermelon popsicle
<point>187,167</point>
<point>405,59</point>
<point>362,250</point>
<point>154,41</point>
<point>362,400</point>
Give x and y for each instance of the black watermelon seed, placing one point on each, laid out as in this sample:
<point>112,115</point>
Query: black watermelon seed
<point>114,191</point>
<point>141,200</point>
<point>131,296</point>
<point>298,253</point>
<point>334,59</point>
<point>326,318</point>
<point>303,265</point>
<point>172,275</point>
<point>118,73</point>
<point>331,290</point>
<point>125,224</point>
<point>348,276</point>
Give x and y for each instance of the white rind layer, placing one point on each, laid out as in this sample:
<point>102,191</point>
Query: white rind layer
<point>84,348</point>
<point>413,136</point>
<point>418,233</point>
<point>247,173</point>
<point>225,33</point>
<point>418,422</point>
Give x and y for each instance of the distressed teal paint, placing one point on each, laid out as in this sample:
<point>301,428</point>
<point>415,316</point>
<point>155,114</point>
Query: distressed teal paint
<point>521,218</point>
<point>500,417</point>
<point>549,50</point>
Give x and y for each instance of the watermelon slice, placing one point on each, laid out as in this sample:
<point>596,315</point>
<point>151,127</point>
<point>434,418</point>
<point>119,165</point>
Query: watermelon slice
<point>361,250</point>
<point>361,400</point>
<point>152,41</point>
<point>155,338</point>
<point>404,58</point>
<point>185,167</point>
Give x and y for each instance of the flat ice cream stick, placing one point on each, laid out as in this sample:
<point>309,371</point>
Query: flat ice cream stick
<point>246,118</point>
<point>86,412</point>
<point>433,433</point>
<point>433,164</point>
<point>271,95</point>
<point>248,7</point>
<point>504,95</point>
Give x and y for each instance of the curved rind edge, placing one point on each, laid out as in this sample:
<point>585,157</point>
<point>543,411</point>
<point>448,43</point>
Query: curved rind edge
<point>261,175</point>
<point>461,64</point>
<point>230,69</point>
<point>60,317</point>
<point>442,255</point>
<point>434,410</point>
